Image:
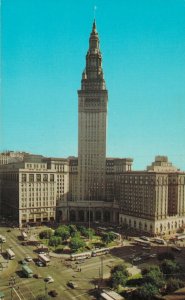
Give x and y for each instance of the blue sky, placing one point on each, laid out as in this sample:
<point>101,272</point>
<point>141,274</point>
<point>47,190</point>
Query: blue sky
<point>43,45</point>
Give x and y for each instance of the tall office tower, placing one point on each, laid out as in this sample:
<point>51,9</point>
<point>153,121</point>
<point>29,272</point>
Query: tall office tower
<point>92,116</point>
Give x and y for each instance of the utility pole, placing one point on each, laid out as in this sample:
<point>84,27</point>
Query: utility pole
<point>89,214</point>
<point>12,284</point>
<point>101,268</point>
<point>100,273</point>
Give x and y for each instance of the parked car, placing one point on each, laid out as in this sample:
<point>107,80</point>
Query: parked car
<point>49,279</point>
<point>53,293</point>
<point>72,284</point>
<point>38,276</point>
<point>137,259</point>
<point>153,255</point>
<point>39,263</point>
<point>28,258</point>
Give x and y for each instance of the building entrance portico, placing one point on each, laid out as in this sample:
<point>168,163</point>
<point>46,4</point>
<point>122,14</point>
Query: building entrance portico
<point>80,212</point>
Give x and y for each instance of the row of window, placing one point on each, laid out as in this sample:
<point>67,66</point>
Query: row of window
<point>37,177</point>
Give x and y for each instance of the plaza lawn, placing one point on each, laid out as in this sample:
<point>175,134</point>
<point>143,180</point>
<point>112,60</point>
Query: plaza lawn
<point>95,240</point>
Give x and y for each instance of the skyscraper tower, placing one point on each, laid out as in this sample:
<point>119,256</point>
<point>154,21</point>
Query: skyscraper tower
<point>92,121</point>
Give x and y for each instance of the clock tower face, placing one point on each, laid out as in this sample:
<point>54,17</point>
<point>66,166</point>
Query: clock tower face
<point>92,123</point>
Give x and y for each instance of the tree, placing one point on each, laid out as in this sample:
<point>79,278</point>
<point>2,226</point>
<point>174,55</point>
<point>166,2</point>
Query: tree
<point>174,284</point>
<point>46,234</point>
<point>55,241</point>
<point>108,237</point>
<point>152,274</point>
<point>170,268</point>
<point>72,229</point>
<point>63,232</point>
<point>119,275</point>
<point>118,278</point>
<point>81,228</point>
<point>86,232</point>
<point>147,291</point>
<point>122,268</point>
<point>76,243</point>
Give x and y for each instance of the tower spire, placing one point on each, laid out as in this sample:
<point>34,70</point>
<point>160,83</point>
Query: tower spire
<point>92,77</point>
<point>94,27</point>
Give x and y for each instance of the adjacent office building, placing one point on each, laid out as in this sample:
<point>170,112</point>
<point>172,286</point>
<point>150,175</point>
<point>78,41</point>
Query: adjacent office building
<point>28,192</point>
<point>153,200</point>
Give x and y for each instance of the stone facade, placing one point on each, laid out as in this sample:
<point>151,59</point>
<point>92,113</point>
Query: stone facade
<point>92,123</point>
<point>153,201</point>
<point>28,192</point>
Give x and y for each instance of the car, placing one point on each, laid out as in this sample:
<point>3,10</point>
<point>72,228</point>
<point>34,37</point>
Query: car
<point>53,293</point>
<point>39,263</point>
<point>137,259</point>
<point>72,284</point>
<point>49,279</point>
<point>153,255</point>
<point>28,258</point>
<point>38,276</point>
<point>146,248</point>
<point>145,238</point>
<point>24,262</point>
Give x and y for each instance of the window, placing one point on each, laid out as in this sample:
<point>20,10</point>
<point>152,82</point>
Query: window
<point>31,177</point>
<point>38,177</point>
<point>51,177</point>
<point>23,177</point>
<point>45,177</point>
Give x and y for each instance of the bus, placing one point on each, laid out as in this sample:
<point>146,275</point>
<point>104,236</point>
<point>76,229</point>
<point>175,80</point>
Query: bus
<point>159,241</point>
<point>24,235</point>
<point>101,251</point>
<point>180,237</point>
<point>10,254</point>
<point>44,259</point>
<point>27,271</point>
<point>110,295</point>
<point>142,242</point>
<point>2,239</point>
<point>79,256</point>
<point>42,249</point>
